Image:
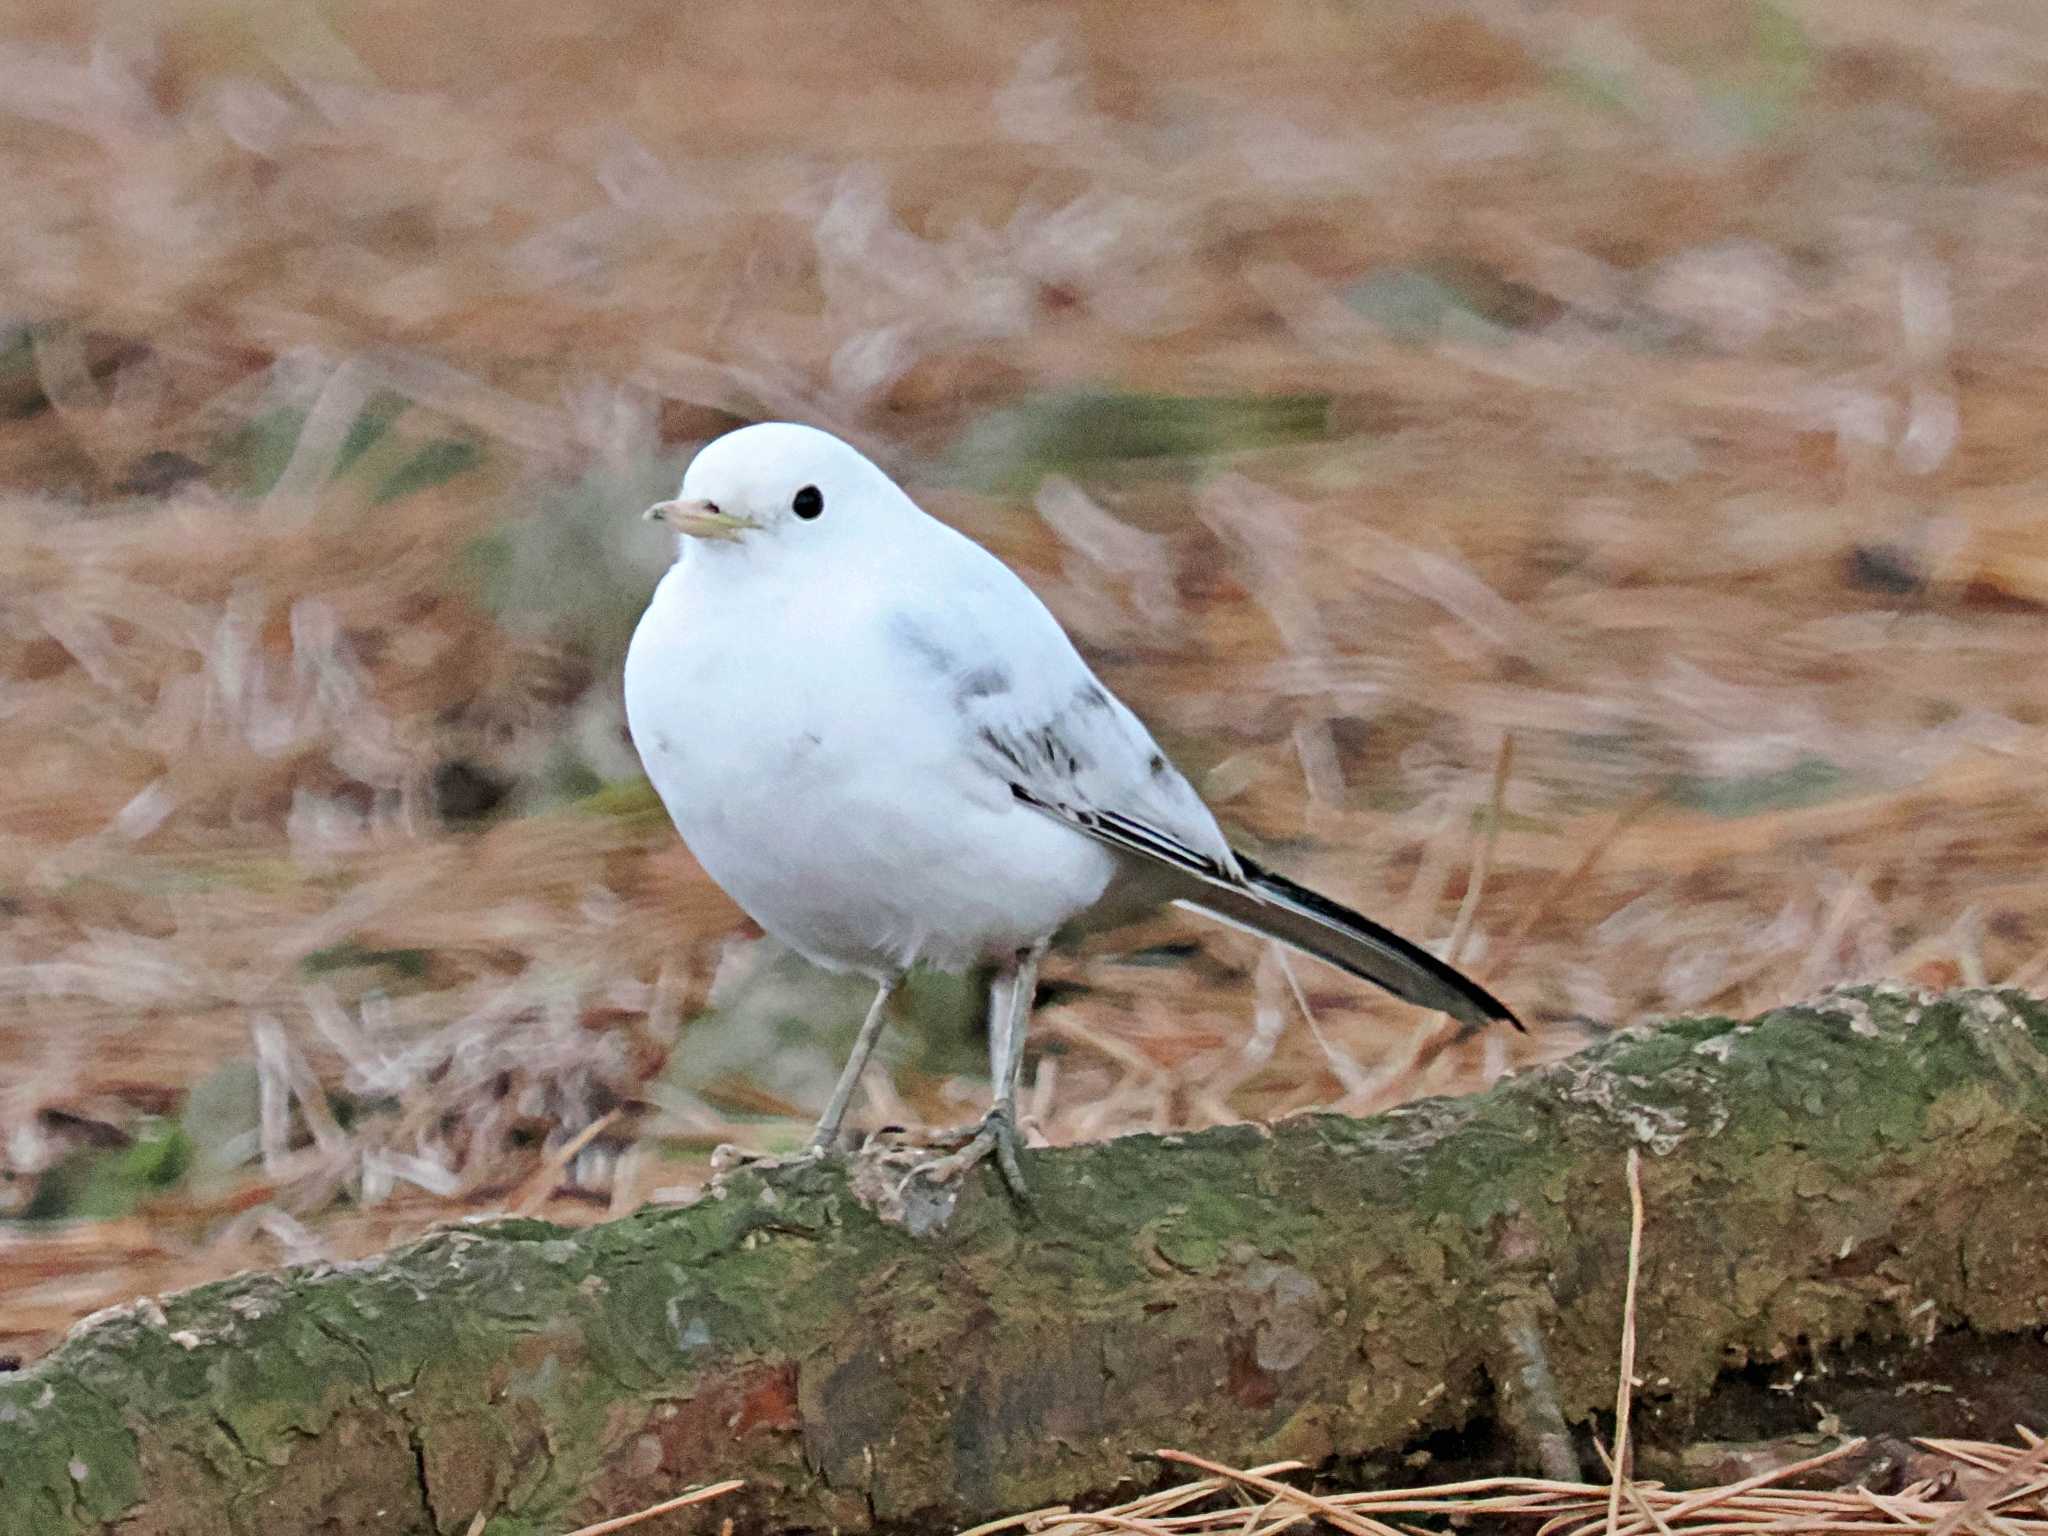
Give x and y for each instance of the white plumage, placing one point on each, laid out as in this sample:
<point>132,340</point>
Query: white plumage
<point>883,746</point>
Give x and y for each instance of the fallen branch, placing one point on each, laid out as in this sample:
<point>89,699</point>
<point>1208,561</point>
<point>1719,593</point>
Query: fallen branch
<point>1868,1166</point>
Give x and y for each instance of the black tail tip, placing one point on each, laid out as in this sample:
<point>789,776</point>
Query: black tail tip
<point>1490,1011</point>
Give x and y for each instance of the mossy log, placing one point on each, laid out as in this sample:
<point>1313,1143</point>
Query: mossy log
<point>1872,1165</point>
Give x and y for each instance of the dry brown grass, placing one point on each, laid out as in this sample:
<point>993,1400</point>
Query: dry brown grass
<point>2004,1482</point>
<point>1957,1485</point>
<point>1717,490</point>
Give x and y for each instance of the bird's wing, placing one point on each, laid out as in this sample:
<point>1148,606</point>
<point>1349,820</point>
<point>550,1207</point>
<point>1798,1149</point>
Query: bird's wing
<point>1085,758</point>
<point>1038,721</point>
<point>1035,718</point>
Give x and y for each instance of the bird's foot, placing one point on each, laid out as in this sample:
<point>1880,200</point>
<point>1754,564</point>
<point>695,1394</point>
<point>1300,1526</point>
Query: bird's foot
<point>996,1136</point>
<point>727,1158</point>
<point>926,1138</point>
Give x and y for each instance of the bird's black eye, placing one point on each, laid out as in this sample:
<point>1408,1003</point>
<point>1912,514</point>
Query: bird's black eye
<point>809,502</point>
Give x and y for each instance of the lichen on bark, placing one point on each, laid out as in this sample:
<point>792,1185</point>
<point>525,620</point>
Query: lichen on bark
<point>1866,1166</point>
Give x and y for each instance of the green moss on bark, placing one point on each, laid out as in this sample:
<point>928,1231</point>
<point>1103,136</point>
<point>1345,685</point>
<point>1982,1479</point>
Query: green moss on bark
<point>1866,1166</point>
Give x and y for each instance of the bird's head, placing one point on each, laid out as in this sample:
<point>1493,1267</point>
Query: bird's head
<point>775,489</point>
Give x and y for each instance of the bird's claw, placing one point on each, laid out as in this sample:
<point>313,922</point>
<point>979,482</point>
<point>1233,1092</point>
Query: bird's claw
<point>727,1158</point>
<point>997,1135</point>
<point>944,1139</point>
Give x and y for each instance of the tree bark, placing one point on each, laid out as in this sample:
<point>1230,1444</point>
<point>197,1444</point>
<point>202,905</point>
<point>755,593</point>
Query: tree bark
<point>1870,1166</point>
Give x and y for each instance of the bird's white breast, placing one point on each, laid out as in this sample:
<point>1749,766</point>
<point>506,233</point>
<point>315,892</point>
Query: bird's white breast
<point>827,787</point>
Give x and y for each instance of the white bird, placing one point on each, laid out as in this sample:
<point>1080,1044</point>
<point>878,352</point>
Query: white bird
<point>883,746</point>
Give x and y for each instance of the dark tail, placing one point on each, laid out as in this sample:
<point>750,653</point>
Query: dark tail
<point>1276,907</point>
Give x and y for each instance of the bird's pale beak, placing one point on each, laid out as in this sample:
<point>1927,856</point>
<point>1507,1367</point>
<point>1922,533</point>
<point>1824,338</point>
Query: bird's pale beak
<point>699,519</point>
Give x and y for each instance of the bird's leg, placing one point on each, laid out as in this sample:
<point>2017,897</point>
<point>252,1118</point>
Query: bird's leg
<point>1009,1019</point>
<point>1008,1067</point>
<point>863,1046</point>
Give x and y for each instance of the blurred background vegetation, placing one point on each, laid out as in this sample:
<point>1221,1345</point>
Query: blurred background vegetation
<point>1566,478</point>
